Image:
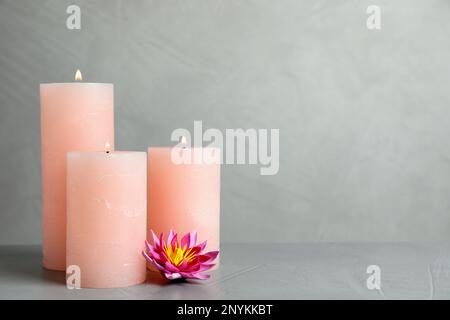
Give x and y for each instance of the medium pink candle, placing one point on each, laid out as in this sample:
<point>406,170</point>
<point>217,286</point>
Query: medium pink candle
<point>74,117</point>
<point>106,217</point>
<point>185,197</point>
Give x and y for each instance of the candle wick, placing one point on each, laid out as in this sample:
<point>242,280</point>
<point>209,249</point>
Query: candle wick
<point>107,147</point>
<point>183,142</point>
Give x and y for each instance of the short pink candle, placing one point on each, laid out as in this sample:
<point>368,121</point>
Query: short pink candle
<point>74,117</point>
<point>106,217</point>
<point>184,197</point>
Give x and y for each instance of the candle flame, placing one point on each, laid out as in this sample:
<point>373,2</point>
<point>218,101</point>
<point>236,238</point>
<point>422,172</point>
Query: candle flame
<point>183,140</point>
<point>107,147</point>
<point>78,76</point>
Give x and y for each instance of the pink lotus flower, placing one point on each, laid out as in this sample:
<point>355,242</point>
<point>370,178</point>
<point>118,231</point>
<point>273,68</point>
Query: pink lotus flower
<point>179,260</point>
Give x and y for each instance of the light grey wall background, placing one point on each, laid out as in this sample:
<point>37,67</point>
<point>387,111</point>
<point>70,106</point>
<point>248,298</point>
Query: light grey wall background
<point>364,116</point>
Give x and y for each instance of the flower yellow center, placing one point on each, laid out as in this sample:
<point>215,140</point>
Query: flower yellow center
<point>177,255</point>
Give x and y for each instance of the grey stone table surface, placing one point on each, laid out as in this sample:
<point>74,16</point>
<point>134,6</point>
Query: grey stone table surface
<point>261,271</point>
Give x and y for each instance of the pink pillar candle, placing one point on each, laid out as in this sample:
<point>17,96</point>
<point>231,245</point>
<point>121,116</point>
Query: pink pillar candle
<point>185,197</point>
<point>106,217</point>
<point>74,117</point>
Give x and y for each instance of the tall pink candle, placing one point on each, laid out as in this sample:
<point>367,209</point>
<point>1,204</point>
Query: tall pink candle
<point>74,116</point>
<point>184,197</point>
<point>106,217</point>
